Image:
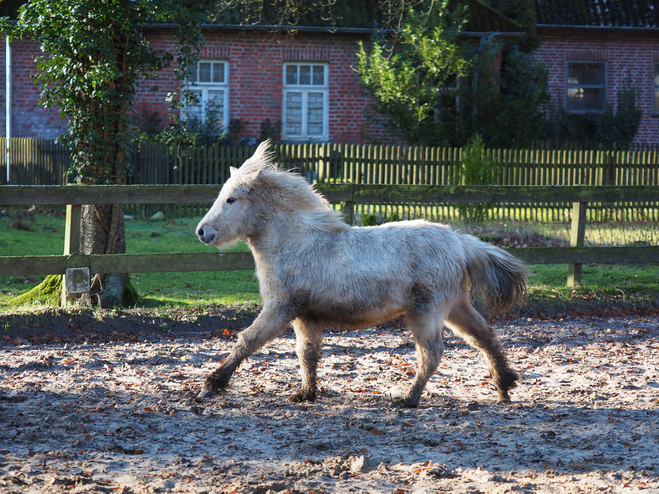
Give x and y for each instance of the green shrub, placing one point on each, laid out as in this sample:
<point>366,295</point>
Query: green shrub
<point>394,217</point>
<point>477,168</point>
<point>369,219</point>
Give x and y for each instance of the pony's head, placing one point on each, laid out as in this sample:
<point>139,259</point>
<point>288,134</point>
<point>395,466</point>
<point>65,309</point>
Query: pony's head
<point>259,192</point>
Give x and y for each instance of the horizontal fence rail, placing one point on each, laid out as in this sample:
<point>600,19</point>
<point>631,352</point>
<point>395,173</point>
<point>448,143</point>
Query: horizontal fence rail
<point>175,194</point>
<point>348,194</point>
<point>230,261</point>
<point>127,263</point>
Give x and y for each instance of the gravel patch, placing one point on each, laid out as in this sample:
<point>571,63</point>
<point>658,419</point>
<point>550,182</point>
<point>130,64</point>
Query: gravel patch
<point>120,416</point>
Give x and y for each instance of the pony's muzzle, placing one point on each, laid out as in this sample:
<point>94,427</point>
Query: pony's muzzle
<point>206,235</point>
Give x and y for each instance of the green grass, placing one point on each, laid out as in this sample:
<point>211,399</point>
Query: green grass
<point>546,282</point>
<point>168,289</point>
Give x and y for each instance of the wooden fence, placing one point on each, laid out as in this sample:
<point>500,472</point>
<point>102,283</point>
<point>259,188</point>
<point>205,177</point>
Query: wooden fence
<point>40,162</point>
<point>34,161</point>
<point>348,194</point>
<point>395,165</point>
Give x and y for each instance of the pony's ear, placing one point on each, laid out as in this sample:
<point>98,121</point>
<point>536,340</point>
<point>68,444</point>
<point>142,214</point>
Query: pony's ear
<point>247,177</point>
<point>253,177</point>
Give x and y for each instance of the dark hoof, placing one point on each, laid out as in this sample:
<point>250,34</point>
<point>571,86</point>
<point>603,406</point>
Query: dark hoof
<point>206,393</point>
<point>302,396</point>
<point>210,388</point>
<point>503,398</point>
<point>405,402</point>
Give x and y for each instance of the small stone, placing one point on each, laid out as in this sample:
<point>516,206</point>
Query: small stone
<point>357,464</point>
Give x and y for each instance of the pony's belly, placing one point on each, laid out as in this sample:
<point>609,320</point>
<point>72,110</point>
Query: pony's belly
<point>351,317</point>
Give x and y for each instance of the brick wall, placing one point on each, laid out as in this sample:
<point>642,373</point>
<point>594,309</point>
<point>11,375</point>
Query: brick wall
<point>255,79</point>
<point>625,53</point>
<point>256,59</point>
<point>28,118</point>
<point>255,91</point>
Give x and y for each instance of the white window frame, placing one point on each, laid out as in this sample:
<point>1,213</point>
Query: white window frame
<point>305,90</point>
<point>577,85</point>
<point>655,89</point>
<point>204,89</point>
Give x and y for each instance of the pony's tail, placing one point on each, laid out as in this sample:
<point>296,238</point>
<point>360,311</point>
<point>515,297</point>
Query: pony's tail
<point>497,277</point>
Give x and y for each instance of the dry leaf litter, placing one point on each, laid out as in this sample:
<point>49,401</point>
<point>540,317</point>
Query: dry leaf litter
<point>122,417</point>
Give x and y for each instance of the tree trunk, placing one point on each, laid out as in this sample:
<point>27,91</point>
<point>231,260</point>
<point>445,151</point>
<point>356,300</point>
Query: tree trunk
<point>102,229</point>
<point>103,233</point>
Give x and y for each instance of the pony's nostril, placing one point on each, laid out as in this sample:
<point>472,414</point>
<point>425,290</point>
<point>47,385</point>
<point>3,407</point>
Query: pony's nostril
<point>205,236</point>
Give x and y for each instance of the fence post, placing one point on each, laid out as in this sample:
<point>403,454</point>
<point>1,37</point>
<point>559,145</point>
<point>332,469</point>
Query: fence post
<point>348,211</point>
<point>577,235</point>
<point>71,238</point>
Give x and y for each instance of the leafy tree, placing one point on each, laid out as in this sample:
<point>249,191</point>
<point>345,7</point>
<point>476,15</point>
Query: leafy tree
<point>505,107</point>
<point>94,53</point>
<point>412,77</point>
<point>439,91</point>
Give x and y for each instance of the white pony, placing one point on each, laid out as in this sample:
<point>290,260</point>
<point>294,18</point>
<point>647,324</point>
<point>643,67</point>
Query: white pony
<point>316,271</point>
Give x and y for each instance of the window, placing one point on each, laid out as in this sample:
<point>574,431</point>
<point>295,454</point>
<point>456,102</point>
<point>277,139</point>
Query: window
<point>655,86</point>
<point>306,100</point>
<point>209,82</point>
<point>586,86</point>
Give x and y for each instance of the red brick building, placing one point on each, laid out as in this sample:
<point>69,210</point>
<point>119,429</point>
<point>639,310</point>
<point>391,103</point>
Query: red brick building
<point>592,46</point>
<point>255,75</point>
<point>307,81</point>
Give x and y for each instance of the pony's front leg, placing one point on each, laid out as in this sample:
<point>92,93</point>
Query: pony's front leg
<point>270,323</point>
<point>309,336</point>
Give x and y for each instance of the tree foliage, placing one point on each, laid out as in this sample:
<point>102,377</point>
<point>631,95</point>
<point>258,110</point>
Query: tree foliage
<point>94,54</point>
<point>438,90</point>
<point>506,102</point>
<point>412,75</point>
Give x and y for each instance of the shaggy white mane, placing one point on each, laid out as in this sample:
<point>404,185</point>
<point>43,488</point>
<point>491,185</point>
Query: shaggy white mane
<point>288,191</point>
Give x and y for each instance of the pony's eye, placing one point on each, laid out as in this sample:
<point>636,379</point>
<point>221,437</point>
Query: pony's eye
<point>231,200</point>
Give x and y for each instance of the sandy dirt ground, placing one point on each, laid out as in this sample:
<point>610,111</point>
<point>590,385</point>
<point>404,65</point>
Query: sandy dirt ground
<point>120,416</point>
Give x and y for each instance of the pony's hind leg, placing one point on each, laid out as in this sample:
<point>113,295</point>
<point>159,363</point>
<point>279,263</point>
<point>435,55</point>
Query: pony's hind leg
<point>308,337</point>
<point>465,321</point>
<point>427,332</point>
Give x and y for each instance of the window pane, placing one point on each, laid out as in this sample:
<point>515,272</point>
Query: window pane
<point>656,100</point>
<point>656,74</point>
<point>192,73</point>
<point>586,74</point>
<point>315,100</point>
<point>585,99</point>
<point>218,72</point>
<point>318,75</point>
<point>293,113</point>
<point>315,113</point>
<point>204,72</point>
<point>305,74</point>
<point>291,74</point>
<point>193,111</point>
<point>216,99</point>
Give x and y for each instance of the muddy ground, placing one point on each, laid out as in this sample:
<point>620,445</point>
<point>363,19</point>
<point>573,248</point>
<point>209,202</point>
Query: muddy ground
<point>95,404</point>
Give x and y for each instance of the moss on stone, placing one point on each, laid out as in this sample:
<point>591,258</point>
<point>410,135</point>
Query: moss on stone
<point>48,292</point>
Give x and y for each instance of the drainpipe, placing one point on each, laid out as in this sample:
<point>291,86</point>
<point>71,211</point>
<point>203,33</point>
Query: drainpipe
<point>8,101</point>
